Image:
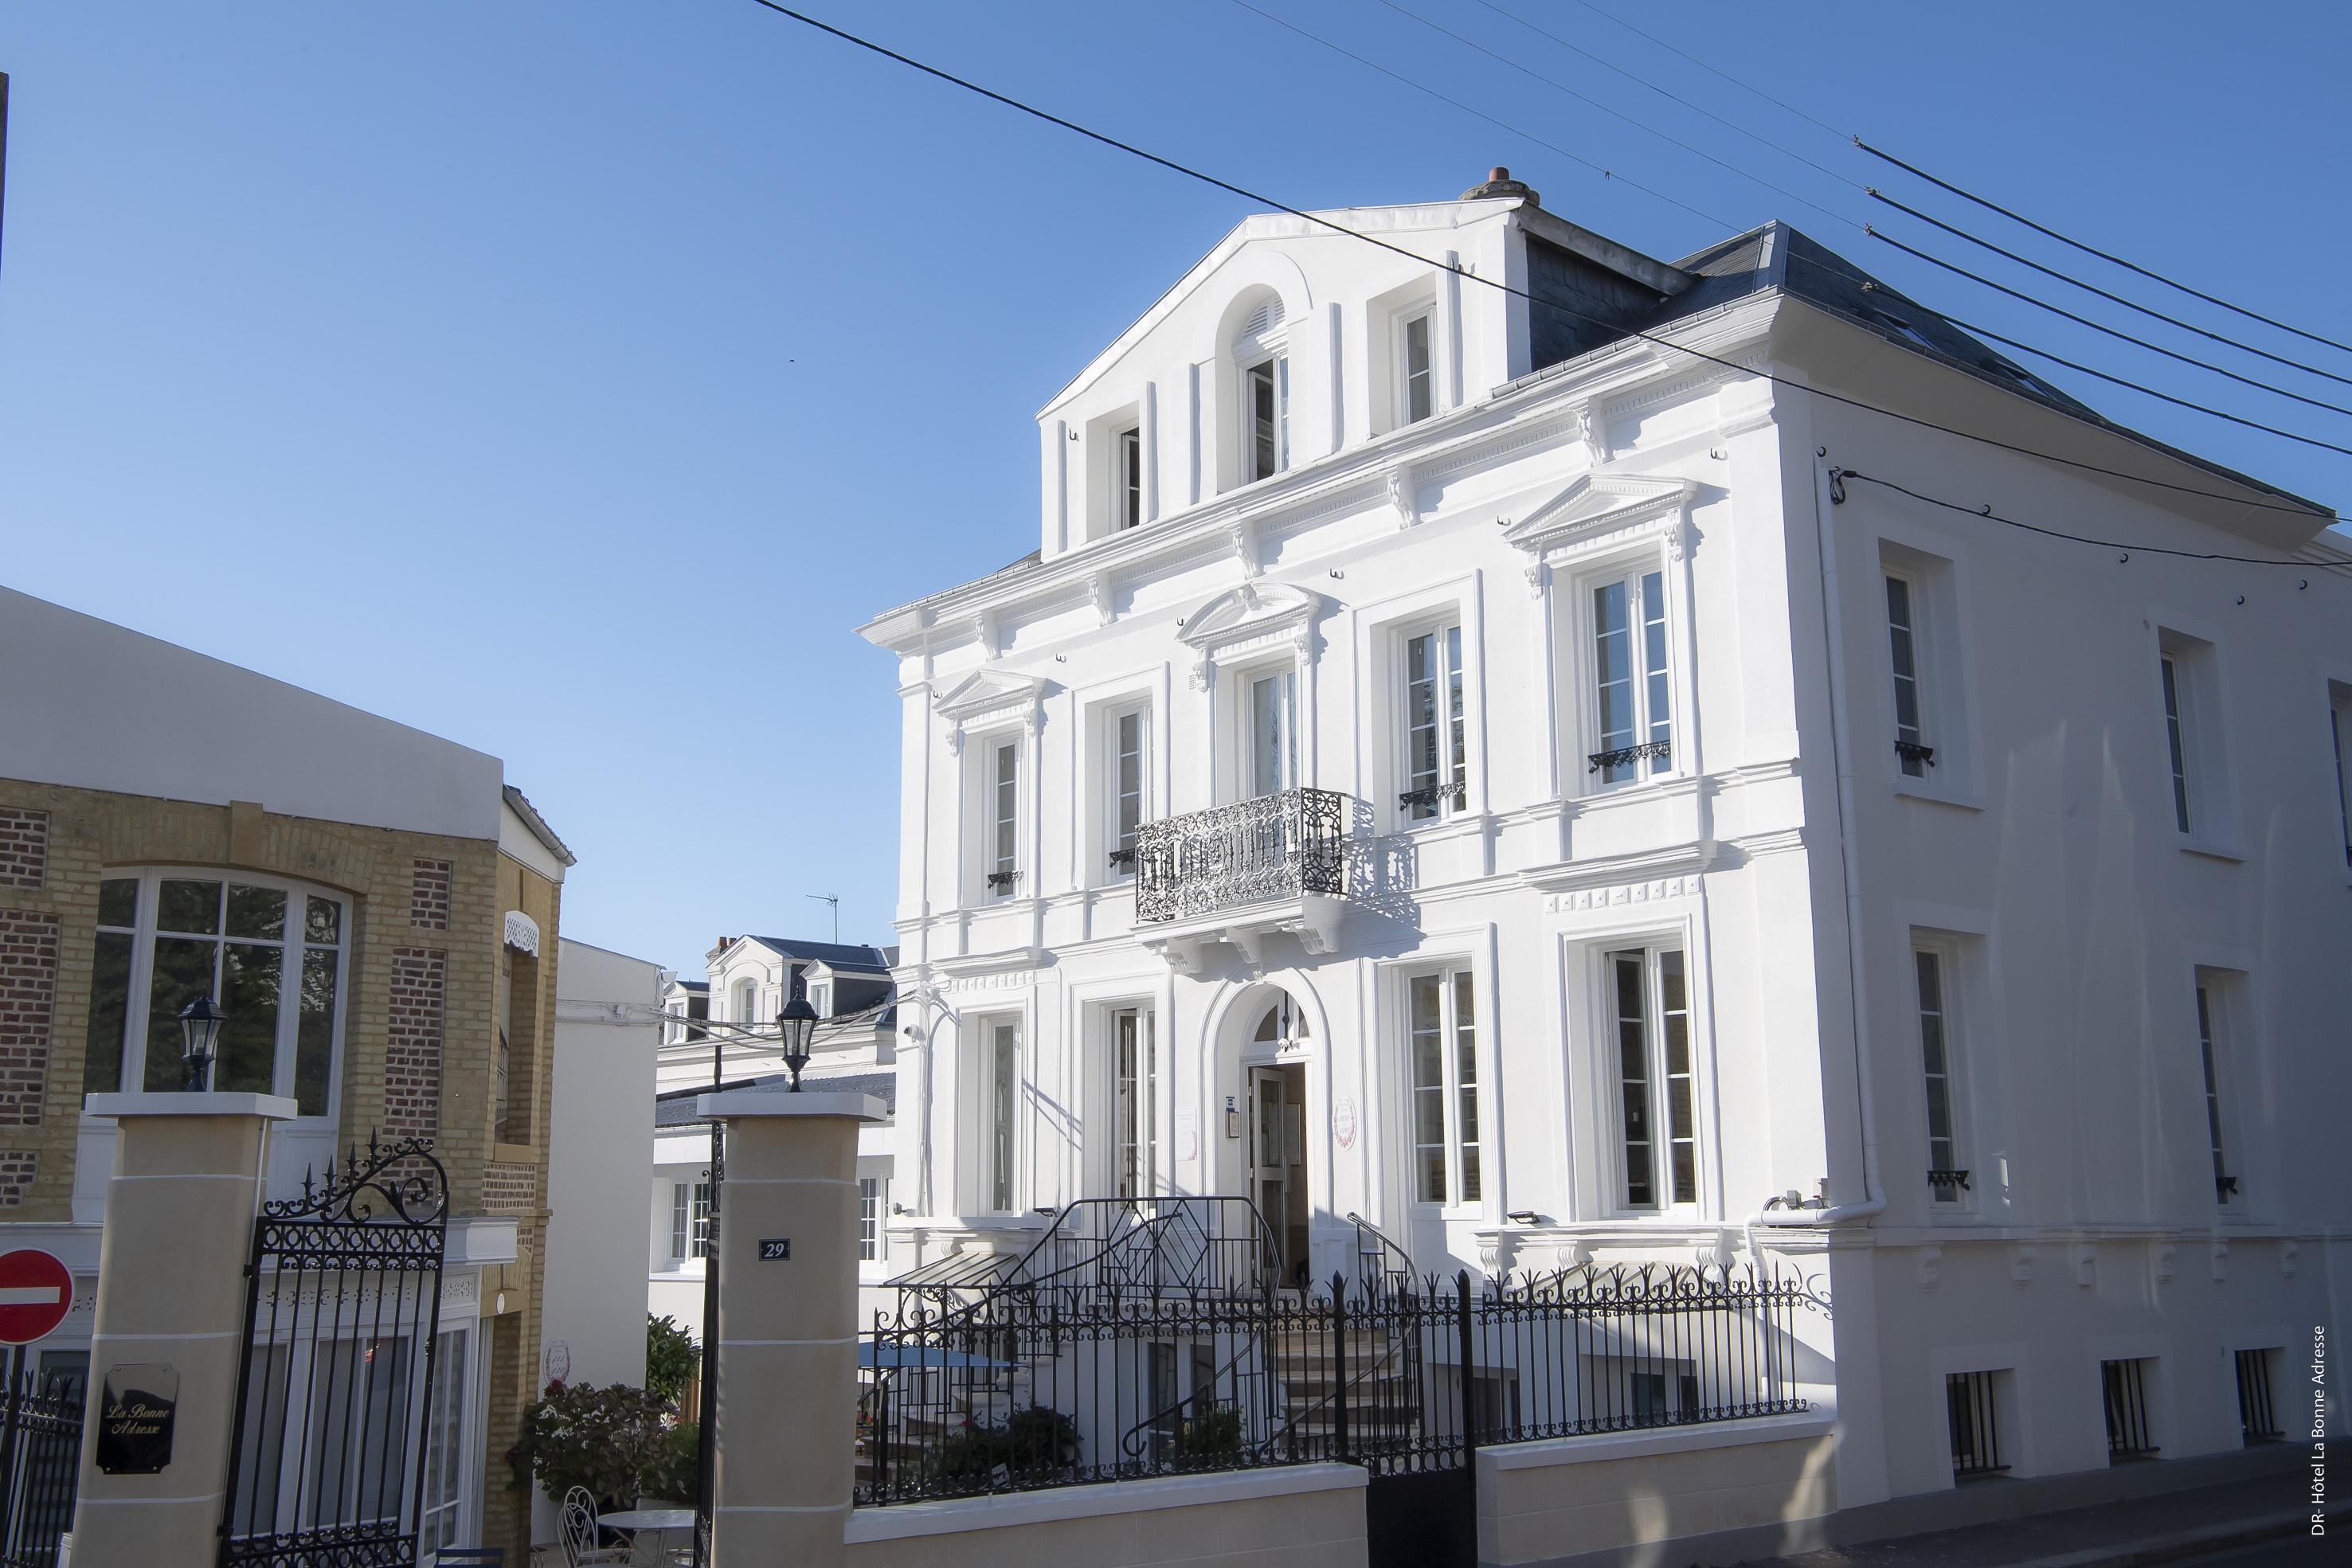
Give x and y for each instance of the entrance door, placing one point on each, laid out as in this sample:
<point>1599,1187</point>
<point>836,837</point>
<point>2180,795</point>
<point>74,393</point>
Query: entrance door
<point>1279,1162</point>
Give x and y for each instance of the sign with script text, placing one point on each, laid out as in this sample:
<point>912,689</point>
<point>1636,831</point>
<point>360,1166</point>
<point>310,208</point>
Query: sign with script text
<point>134,1421</point>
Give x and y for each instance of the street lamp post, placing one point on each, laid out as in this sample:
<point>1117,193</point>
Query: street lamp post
<point>796,1024</point>
<point>200,1026</point>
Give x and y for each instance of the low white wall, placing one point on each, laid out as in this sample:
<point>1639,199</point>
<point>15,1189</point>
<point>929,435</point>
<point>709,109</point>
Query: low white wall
<point>1307,1516</point>
<point>1543,1502</point>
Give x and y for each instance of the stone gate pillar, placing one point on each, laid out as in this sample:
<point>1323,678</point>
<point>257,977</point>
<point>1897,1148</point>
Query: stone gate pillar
<point>784,1412</point>
<point>171,1294</point>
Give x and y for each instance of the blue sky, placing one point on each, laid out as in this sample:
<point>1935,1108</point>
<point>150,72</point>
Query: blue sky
<point>570,379</point>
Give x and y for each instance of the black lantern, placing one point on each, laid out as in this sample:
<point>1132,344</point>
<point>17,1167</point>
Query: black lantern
<point>200,1026</point>
<point>796,1024</point>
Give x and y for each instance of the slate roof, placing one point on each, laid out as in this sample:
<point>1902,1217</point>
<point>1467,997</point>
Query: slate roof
<point>675,1107</point>
<point>840,955</point>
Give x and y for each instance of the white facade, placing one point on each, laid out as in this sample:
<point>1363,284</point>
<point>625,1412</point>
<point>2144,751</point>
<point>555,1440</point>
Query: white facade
<point>1591,989</point>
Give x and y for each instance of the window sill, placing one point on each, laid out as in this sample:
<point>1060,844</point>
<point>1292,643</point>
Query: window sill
<point>1936,794</point>
<point>2212,851</point>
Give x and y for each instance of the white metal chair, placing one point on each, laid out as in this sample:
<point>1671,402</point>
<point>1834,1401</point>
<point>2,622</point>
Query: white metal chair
<point>577,1530</point>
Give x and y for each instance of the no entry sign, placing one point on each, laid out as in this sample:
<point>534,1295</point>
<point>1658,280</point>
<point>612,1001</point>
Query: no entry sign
<point>36,1291</point>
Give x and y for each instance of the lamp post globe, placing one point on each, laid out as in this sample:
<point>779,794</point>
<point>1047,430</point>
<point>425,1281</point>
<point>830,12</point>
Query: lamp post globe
<point>797,1025</point>
<point>200,1026</point>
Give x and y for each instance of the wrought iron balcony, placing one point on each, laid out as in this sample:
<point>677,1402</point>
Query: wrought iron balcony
<point>1430,796</point>
<point>2225,1187</point>
<point>1243,873</point>
<point>1911,751</point>
<point>1948,1181</point>
<point>1003,880</point>
<point>1657,750</point>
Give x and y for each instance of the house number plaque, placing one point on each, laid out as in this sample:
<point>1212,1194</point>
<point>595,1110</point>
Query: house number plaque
<point>134,1428</point>
<point>777,1251</point>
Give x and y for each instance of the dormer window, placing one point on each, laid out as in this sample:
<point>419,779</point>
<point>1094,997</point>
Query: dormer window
<point>1128,455</point>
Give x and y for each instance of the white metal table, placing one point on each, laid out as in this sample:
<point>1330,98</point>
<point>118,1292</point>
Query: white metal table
<point>657,1523</point>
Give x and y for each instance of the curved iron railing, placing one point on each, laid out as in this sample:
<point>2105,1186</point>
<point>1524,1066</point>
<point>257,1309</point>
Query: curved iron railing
<point>1284,845</point>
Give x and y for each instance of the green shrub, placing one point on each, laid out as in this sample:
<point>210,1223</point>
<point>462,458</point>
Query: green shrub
<point>670,1358</point>
<point>1034,1441</point>
<point>608,1439</point>
<point>1214,1433</point>
<point>678,1478</point>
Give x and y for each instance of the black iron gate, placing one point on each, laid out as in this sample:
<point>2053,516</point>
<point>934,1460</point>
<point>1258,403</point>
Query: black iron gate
<point>40,1465</point>
<point>343,1315</point>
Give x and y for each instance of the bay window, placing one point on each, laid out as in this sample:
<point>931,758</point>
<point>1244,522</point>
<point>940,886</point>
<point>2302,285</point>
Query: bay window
<point>271,954</point>
<point>1442,1018</point>
<point>1647,1004</point>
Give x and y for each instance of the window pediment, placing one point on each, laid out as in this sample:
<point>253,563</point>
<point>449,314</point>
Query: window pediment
<point>988,699</point>
<point>1597,507</point>
<point>1248,618</point>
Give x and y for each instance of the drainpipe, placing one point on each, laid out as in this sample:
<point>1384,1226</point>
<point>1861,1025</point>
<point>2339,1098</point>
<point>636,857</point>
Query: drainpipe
<point>1874,1199</point>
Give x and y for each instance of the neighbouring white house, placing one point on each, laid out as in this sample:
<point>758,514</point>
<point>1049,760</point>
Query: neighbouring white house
<point>1452,760</point>
<point>733,1045</point>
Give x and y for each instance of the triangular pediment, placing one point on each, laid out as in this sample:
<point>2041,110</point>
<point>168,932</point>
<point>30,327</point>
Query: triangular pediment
<point>1600,503</point>
<point>1245,610</point>
<point>987,691</point>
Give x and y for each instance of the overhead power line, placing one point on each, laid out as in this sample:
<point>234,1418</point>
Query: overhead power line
<point>2100,326</point>
<point>1606,173</point>
<point>1879,195</point>
<point>1716,70</point>
<point>1609,65</point>
<point>1559,86</point>
<point>2093,250</point>
<point>2302,509</point>
<point>1987,513</point>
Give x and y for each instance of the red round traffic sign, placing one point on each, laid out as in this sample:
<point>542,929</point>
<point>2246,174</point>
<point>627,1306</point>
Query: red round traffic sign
<point>36,1292</point>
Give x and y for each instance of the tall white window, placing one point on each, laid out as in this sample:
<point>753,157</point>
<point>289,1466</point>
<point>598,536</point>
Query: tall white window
<point>1004,818</point>
<point>270,954</point>
<point>1446,1144</point>
<point>2209,1025</point>
<point>441,1507</point>
<point>1273,733</point>
<point>1125,737</point>
<point>746,1001</point>
<point>1132,1099</point>
<point>869,1218</point>
<point>1129,481</point>
<point>2175,734</point>
<point>1633,707</point>
<point>1420,370</point>
<point>1945,1179</point>
<point>1004,1095</point>
<point>1912,752</point>
<point>689,1220</point>
<point>1648,1004</point>
<point>1435,776</point>
<point>1265,407</point>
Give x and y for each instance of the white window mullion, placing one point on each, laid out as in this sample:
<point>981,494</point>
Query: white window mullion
<point>1631,685</point>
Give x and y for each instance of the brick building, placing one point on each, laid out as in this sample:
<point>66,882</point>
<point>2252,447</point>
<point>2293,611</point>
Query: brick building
<point>375,911</point>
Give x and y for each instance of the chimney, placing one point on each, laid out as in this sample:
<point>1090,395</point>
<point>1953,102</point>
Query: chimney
<point>1497,183</point>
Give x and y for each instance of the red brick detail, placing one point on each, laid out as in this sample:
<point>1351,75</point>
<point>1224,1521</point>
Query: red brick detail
<point>24,848</point>
<point>412,1051</point>
<point>428,895</point>
<point>28,982</point>
<point>510,1188</point>
<point>18,1168</point>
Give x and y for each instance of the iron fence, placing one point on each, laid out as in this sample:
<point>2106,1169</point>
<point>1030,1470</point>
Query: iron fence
<point>40,1465</point>
<point>1025,1389</point>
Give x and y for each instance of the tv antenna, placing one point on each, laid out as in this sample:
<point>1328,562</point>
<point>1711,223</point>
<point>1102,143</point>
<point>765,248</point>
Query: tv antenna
<point>834,900</point>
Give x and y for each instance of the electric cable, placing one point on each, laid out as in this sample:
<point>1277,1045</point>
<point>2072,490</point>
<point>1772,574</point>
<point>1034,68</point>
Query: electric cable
<point>1746,87</point>
<point>1603,172</point>
<point>2100,326</point>
<point>2093,250</point>
<point>1989,515</point>
<point>1880,196</point>
<point>2298,508</point>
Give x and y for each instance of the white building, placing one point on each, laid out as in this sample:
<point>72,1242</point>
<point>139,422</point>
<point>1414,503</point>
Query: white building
<point>1571,813</point>
<point>853,1049</point>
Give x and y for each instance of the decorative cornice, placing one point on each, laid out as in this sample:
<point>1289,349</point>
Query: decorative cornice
<point>987,698</point>
<point>1253,615</point>
<point>1598,507</point>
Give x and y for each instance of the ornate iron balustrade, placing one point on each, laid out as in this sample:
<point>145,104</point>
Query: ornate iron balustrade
<point>1284,845</point>
<point>1948,1181</point>
<point>1911,751</point>
<point>1433,795</point>
<point>1658,750</point>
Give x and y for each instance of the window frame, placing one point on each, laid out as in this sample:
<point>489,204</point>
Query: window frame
<point>2339,734</point>
<point>743,996</point>
<point>1633,573</point>
<point>2177,721</point>
<point>1458,1042</point>
<point>1906,643</point>
<point>1128,499</point>
<point>872,1193</point>
<point>285,1047</point>
<point>1423,316</point>
<point>2214,1020</point>
<point>1000,805</point>
<point>1657,1061</point>
<point>1286,675</point>
<point>689,1220</point>
<point>1274,363</point>
<point>1118,848</point>
<point>1134,1101</point>
<point>999,1123</point>
<point>1445,793</point>
<point>1950,1196</point>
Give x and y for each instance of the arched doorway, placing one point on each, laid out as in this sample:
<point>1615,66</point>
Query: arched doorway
<point>1276,1040</point>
